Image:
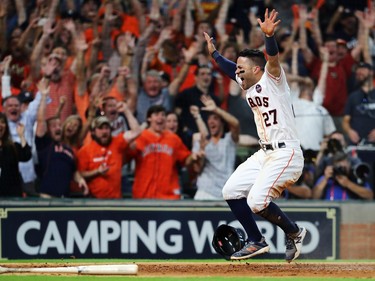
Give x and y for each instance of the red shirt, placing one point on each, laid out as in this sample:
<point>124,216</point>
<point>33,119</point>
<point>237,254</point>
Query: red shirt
<point>336,92</point>
<point>64,87</point>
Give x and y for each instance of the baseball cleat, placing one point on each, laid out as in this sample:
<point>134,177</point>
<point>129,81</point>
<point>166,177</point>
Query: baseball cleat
<point>294,244</point>
<point>251,249</point>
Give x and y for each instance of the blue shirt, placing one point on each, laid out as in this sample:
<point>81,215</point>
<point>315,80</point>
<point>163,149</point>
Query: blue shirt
<point>144,102</point>
<point>334,191</point>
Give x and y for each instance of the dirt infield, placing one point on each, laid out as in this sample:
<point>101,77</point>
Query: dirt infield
<point>363,270</point>
<point>253,269</point>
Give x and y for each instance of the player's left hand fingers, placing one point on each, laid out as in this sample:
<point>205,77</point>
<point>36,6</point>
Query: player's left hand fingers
<point>266,14</point>
<point>273,15</point>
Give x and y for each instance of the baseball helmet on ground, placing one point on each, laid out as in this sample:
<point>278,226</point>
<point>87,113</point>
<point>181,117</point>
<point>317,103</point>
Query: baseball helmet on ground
<point>228,240</point>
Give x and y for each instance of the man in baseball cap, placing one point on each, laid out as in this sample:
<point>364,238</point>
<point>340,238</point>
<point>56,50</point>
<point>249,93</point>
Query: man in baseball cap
<point>363,74</point>
<point>100,160</point>
<point>99,121</point>
<point>101,130</point>
<point>358,122</point>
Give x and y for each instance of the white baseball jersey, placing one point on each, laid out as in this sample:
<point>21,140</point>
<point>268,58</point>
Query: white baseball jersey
<point>265,174</point>
<point>270,101</point>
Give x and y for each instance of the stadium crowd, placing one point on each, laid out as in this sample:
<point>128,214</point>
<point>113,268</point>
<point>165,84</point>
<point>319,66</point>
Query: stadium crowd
<point>120,98</point>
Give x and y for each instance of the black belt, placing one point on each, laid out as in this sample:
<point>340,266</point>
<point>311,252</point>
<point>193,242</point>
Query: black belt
<point>270,147</point>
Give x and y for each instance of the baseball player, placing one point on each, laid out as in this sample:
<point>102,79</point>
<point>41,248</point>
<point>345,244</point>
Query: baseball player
<point>279,162</point>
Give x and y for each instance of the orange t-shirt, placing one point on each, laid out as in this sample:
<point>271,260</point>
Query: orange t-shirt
<point>92,155</point>
<point>156,175</point>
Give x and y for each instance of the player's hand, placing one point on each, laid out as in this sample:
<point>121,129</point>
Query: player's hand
<point>210,43</point>
<point>270,23</point>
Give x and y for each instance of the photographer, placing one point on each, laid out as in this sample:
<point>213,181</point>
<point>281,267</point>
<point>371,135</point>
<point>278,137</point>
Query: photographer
<point>341,182</point>
<point>335,142</point>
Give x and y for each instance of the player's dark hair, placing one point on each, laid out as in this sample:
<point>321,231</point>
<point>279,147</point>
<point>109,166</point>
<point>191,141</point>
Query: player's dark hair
<point>256,56</point>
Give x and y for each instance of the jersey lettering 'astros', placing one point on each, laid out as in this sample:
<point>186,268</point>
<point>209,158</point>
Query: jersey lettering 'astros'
<point>269,99</point>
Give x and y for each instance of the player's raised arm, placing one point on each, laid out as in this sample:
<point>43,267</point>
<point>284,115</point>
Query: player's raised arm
<point>225,65</point>
<point>268,27</point>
